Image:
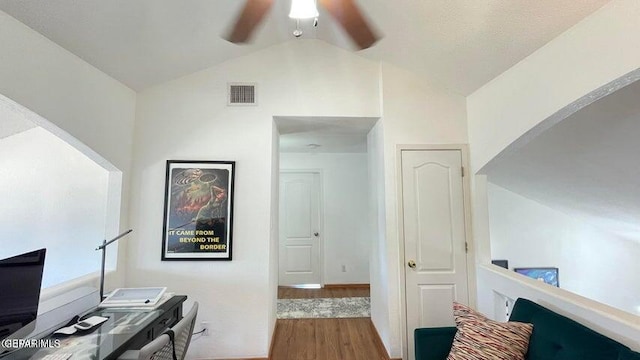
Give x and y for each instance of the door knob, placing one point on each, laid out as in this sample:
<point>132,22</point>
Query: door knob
<point>316,234</point>
<point>412,264</point>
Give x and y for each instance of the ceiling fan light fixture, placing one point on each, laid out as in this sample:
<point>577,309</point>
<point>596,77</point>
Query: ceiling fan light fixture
<point>303,9</point>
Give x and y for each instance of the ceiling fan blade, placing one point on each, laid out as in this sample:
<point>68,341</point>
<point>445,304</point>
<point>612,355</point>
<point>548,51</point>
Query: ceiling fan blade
<point>346,12</point>
<point>248,19</point>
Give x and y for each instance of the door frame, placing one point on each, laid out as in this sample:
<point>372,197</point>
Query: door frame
<point>320,174</point>
<point>470,256</point>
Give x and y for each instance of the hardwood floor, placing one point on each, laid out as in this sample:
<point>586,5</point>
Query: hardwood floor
<point>331,292</point>
<point>326,339</point>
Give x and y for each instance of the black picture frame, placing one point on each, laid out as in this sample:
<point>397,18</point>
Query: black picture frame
<point>198,210</point>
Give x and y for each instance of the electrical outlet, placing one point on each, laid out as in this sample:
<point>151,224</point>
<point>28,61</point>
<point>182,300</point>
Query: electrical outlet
<point>205,328</point>
<point>344,268</point>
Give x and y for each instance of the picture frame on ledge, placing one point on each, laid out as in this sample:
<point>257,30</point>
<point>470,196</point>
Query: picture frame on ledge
<point>548,275</point>
<point>198,210</point>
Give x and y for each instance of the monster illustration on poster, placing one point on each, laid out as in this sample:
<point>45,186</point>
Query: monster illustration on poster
<point>198,210</point>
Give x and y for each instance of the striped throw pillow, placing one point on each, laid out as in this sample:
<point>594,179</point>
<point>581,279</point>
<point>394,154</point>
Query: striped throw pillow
<point>462,312</point>
<point>481,338</point>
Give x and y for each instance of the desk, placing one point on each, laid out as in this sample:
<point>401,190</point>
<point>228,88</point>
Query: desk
<point>125,330</point>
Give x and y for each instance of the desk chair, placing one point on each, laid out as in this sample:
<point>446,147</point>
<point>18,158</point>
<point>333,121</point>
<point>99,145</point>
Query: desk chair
<point>160,348</point>
<point>174,341</point>
<point>182,332</point>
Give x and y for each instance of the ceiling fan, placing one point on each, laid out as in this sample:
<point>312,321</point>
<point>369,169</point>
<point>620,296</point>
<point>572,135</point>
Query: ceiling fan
<point>345,12</point>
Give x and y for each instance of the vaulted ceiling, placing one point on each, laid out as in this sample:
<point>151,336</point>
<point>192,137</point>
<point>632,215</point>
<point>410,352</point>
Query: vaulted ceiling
<point>583,165</point>
<point>457,44</point>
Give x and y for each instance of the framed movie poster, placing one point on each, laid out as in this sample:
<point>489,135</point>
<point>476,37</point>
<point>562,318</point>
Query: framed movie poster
<point>198,210</point>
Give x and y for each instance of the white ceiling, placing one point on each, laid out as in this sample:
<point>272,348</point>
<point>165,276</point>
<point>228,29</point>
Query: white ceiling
<point>324,134</point>
<point>587,165</point>
<point>459,44</point>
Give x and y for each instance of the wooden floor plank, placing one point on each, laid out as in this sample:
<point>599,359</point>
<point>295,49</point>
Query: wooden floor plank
<point>282,338</point>
<point>326,339</point>
<point>362,341</point>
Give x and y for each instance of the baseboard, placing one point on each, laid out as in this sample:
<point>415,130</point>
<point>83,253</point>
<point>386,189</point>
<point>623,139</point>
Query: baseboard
<point>347,286</point>
<point>379,343</point>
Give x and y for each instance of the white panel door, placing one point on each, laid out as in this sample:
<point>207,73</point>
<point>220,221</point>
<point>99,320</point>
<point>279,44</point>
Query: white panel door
<point>434,238</point>
<point>299,229</point>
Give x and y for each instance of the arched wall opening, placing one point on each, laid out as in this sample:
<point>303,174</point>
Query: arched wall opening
<point>495,285</point>
<point>568,199</point>
<point>57,194</point>
<point>593,54</point>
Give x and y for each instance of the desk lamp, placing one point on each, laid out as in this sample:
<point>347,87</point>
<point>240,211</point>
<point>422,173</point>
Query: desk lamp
<point>103,247</point>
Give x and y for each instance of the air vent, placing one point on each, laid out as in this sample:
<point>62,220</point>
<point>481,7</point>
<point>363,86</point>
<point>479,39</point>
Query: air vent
<point>242,94</point>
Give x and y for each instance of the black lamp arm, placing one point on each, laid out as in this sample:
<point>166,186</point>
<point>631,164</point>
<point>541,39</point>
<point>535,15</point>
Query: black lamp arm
<point>103,247</point>
<point>104,244</point>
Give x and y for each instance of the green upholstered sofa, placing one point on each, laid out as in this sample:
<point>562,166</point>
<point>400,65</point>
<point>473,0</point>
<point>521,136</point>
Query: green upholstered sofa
<point>554,337</point>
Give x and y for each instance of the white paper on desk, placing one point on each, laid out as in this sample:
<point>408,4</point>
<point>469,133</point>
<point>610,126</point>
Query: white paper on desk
<point>129,297</point>
<point>162,300</point>
<point>137,306</point>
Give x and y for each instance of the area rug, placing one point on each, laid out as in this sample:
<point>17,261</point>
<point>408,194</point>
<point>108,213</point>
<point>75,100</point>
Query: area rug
<point>352,307</point>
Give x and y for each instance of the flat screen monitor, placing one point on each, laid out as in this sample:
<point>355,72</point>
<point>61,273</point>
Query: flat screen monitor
<point>20,283</point>
<point>548,275</point>
<point>501,263</point>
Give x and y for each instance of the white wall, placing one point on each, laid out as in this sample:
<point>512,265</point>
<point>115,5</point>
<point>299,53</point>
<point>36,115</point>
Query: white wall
<point>188,119</point>
<point>586,62</point>
<point>379,277</point>
<point>82,105</point>
<point>530,234</point>
<point>53,197</point>
<point>274,235</point>
<point>345,212</point>
<point>414,112</point>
